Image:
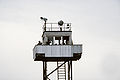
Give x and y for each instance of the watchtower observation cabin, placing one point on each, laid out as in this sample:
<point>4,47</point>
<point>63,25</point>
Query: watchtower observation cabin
<point>57,44</point>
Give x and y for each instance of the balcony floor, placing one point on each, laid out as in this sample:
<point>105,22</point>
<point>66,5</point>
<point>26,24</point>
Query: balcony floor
<point>41,57</point>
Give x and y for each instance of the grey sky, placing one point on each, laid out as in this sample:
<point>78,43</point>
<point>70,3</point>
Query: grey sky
<point>95,24</point>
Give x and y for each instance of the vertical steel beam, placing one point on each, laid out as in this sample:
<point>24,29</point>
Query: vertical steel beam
<point>44,70</point>
<point>71,68</point>
<point>68,70</point>
<point>57,72</point>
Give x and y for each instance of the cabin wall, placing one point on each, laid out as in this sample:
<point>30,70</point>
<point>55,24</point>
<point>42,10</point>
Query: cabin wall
<point>57,50</point>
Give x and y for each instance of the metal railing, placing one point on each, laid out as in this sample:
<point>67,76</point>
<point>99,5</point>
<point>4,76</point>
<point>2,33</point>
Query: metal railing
<point>56,27</point>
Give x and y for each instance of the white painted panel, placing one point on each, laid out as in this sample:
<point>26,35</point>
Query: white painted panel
<point>77,48</point>
<point>66,51</point>
<point>62,51</point>
<point>70,54</point>
<point>57,50</point>
<point>48,51</point>
<point>80,49</point>
<point>40,49</point>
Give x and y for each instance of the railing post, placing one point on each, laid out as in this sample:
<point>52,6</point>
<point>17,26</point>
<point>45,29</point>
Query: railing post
<point>51,26</point>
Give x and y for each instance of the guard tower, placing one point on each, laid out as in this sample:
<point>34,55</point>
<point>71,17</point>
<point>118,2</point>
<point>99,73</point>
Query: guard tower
<point>57,46</point>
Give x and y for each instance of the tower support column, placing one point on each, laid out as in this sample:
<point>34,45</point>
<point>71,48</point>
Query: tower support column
<point>44,70</point>
<point>69,70</point>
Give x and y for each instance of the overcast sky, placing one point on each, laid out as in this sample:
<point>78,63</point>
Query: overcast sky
<point>95,24</point>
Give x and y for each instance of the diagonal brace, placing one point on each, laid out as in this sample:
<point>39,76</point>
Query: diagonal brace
<point>56,68</point>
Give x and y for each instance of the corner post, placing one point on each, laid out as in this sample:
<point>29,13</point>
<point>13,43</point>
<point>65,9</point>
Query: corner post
<point>44,70</point>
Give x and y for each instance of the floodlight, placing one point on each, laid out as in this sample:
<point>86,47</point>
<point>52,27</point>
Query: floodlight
<point>60,23</point>
<point>42,18</point>
<point>68,24</point>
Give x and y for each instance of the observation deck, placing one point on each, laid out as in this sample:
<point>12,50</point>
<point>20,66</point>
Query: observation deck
<point>57,44</point>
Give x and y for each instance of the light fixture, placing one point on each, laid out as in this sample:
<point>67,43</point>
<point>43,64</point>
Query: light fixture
<point>42,18</point>
<point>60,23</point>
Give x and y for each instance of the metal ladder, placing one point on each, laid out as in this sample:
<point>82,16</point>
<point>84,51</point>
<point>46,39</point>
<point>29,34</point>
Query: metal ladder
<point>61,72</point>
